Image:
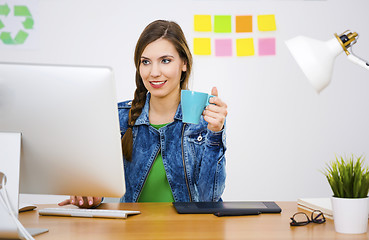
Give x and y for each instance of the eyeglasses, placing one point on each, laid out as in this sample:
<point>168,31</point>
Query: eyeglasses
<point>301,219</point>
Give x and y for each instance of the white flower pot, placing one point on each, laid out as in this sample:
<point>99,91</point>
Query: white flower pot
<point>350,214</point>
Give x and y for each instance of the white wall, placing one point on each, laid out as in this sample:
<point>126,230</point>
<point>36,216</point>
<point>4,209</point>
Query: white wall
<point>280,132</point>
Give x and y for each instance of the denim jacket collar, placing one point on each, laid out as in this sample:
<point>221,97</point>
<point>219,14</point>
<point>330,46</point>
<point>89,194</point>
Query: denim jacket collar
<point>143,119</point>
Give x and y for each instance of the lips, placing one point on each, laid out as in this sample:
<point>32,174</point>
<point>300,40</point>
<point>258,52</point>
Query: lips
<point>157,84</point>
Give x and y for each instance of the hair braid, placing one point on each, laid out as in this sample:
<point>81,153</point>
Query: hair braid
<point>138,103</point>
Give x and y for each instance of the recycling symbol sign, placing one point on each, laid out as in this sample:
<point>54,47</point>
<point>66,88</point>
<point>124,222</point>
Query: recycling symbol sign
<point>9,15</point>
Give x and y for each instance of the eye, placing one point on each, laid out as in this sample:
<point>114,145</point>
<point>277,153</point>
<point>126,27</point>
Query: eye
<point>166,61</point>
<point>145,62</point>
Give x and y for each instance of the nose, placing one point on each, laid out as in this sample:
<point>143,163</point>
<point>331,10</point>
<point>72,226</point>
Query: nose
<point>155,70</point>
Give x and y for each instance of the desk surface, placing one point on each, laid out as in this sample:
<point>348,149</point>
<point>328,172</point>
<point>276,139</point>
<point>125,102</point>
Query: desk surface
<point>161,221</point>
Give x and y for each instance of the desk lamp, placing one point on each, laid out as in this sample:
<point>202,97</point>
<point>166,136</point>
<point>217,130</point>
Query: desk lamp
<point>316,58</point>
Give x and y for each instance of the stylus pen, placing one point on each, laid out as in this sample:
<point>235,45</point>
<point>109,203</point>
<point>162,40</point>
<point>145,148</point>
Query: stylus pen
<point>237,212</point>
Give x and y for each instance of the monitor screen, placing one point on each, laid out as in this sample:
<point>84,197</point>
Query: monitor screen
<point>69,125</point>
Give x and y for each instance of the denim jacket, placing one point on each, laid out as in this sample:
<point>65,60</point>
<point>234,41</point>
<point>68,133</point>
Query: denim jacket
<point>193,156</point>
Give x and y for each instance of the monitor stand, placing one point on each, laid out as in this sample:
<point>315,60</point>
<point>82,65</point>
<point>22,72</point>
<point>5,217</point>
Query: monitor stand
<point>10,148</point>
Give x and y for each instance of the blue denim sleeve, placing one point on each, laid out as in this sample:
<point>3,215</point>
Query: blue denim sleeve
<point>212,170</point>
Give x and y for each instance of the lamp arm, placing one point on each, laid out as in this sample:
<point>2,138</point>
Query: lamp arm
<point>355,59</point>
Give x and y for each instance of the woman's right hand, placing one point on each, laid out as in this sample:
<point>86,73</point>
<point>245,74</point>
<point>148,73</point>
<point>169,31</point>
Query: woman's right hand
<point>82,202</point>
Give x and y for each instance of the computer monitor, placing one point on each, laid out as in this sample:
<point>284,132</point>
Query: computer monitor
<point>69,125</point>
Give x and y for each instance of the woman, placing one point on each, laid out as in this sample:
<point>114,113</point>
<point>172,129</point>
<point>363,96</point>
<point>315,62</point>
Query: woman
<point>164,158</point>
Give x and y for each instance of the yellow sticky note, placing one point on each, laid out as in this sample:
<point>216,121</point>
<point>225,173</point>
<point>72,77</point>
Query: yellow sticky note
<point>202,46</point>
<point>202,23</point>
<point>266,23</point>
<point>245,47</point>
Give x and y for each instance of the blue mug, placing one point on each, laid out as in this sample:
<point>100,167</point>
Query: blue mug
<point>193,104</point>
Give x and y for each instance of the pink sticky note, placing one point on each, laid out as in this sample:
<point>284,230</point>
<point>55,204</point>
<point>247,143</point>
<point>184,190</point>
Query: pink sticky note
<point>266,46</point>
<point>223,47</point>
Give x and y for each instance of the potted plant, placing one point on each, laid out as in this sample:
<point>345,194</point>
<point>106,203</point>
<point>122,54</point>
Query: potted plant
<point>349,181</point>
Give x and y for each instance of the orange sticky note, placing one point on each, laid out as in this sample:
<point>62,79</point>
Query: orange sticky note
<point>245,47</point>
<point>266,23</point>
<point>243,24</point>
<point>202,23</point>
<point>202,46</point>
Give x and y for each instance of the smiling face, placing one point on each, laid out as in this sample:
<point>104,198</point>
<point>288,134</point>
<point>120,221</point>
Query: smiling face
<point>161,68</point>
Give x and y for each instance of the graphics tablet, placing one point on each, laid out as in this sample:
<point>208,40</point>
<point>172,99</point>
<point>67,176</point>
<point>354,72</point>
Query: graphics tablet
<point>213,207</point>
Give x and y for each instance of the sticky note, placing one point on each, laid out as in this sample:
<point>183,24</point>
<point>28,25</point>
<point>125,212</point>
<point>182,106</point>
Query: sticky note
<point>245,47</point>
<point>202,46</point>
<point>243,24</point>
<point>223,47</point>
<point>266,23</point>
<point>222,23</point>
<point>266,46</point>
<point>202,23</point>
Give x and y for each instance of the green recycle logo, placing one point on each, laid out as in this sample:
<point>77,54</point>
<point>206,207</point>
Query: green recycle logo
<point>21,36</point>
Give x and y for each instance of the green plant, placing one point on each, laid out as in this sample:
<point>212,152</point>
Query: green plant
<point>348,178</point>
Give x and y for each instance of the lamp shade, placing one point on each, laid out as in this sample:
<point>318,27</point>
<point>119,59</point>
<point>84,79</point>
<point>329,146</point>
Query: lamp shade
<point>315,58</point>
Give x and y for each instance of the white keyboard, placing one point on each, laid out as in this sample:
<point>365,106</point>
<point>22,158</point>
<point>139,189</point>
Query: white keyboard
<point>82,212</point>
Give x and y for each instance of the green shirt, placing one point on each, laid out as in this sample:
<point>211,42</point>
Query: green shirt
<point>156,188</point>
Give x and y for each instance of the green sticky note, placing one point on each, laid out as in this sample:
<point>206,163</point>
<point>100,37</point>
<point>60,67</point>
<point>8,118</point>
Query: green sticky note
<point>202,46</point>
<point>245,47</point>
<point>202,23</point>
<point>266,23</point>
<point>222,23</point>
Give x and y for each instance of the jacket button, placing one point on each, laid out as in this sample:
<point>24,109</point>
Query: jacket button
<point>199,138</point>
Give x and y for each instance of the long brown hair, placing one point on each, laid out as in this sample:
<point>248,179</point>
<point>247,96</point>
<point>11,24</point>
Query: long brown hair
<point>158,29</point>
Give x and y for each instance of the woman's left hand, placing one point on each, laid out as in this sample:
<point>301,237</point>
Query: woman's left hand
<point>215,113</point>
